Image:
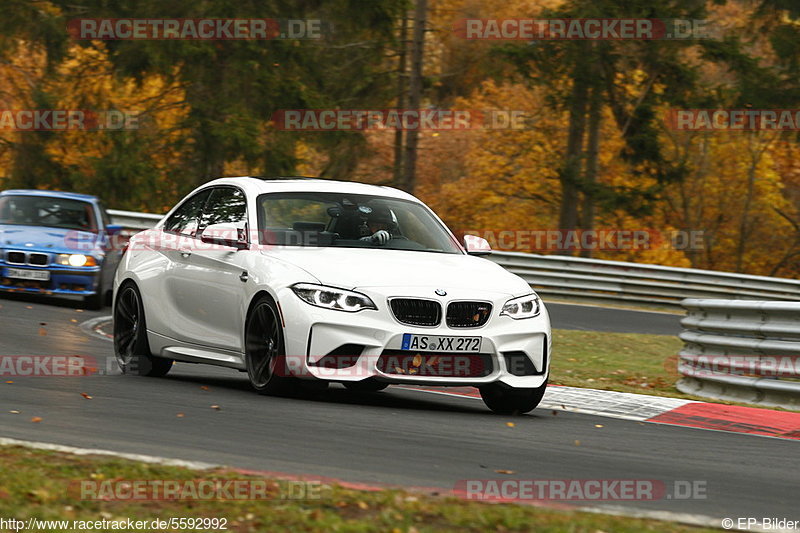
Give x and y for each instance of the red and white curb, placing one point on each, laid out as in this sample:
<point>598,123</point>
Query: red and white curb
<point>659,410</point>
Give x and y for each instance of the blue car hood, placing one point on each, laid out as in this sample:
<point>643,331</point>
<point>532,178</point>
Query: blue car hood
<point>51,240</point>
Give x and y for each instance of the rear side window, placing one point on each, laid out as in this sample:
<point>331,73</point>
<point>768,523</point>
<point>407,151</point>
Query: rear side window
<point>226,205</point>
<point>186,219</point>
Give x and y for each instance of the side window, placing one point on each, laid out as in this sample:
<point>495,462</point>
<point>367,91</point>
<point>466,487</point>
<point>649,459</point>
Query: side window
<point>186,219</point>
<point>228,205</point>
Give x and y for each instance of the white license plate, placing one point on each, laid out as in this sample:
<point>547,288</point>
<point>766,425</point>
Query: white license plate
<point>441,343</point>
<point>37,275</point>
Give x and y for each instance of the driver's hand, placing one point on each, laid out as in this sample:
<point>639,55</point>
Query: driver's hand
<point>379,237</point>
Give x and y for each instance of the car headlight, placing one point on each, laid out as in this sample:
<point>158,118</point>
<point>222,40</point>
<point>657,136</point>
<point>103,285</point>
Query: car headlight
<point>332,298</point>
<point>76,260</point>
<point>527,306</point>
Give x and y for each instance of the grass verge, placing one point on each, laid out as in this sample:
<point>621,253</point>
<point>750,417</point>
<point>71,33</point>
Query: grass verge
<point>37,483</point>
<point>624,362</point>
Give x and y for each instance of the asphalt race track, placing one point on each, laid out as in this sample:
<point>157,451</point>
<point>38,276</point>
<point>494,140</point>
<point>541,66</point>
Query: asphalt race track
<point>394,437</point>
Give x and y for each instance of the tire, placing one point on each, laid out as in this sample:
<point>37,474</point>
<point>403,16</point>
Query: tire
<point>505,400</point>
<point>367,385</point>
<point>265,349</point>
<point>131,348</point>
<point>94,302</point>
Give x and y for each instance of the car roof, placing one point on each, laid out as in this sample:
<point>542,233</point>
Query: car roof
<point>50,194</point>
<point>258,185</point>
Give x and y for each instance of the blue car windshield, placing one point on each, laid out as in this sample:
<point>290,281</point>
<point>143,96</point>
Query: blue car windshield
<point>47,211</point>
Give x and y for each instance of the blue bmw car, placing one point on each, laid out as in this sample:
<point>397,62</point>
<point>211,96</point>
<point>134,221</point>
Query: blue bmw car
<point>57,243</point>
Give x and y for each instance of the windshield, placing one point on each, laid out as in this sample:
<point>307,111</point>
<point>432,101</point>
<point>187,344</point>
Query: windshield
<point>47,211</point>
<point>350,221</point>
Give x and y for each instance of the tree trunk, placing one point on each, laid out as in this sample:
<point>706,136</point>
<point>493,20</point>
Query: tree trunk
<point>415,95</point>
<point>571,169</point>
<point>401,102</point>
<point>590,173</point>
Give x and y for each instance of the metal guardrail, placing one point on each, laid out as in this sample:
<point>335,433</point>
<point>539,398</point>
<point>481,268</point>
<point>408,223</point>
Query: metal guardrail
<point>600,280</point>
<point>595,279</point>
<point>741,350</point>
<point>133,220</point>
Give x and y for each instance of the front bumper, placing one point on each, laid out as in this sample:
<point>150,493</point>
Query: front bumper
<point>362,339</point>
<point>64,281</point>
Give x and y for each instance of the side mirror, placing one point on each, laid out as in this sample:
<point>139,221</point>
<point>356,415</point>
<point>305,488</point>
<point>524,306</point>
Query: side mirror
<point>225,234</point>
<point>113,229</point>
<point>476,245</point>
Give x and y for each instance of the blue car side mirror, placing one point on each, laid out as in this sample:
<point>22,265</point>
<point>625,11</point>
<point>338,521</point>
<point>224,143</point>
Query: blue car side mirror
<point>113,229</point>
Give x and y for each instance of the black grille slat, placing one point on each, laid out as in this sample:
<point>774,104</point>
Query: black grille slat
<point>468,314</point>
<point>38,259</point>
<point>417,312</point>
<point>16,258</point>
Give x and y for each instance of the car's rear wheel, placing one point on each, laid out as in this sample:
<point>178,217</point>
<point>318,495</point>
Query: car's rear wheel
<point>366,385</point>
<point>130,336</point>
<point>265,351</point>
<point>505,400</point>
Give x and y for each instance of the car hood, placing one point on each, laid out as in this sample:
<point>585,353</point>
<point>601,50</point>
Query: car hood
<point>352,268</point>
<point>40,238</point>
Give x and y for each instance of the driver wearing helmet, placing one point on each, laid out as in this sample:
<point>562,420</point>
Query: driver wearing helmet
<point>379,225</point>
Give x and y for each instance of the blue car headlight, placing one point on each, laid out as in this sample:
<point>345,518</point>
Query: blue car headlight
<point>76,260</point>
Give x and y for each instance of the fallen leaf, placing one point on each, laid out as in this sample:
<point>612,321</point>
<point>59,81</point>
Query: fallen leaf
<point>86,396</point>
<point>203,387</point>
<point>42,332</point>
<point>180,415</point>
<point>79,310</point>
<point>399,370</point>
<point>412,370</point>
<point>73,320</point>
<point>28,307</point>
<point>510,424</point>
<point>216,407</point>
<point>577,442</point>
<point>598,425</point>
<point>363,506</point>
<point>417,361</point>
<point>14,412</point>
<point>9,382</point>
<point>504,472</point>
<point>36,419</point>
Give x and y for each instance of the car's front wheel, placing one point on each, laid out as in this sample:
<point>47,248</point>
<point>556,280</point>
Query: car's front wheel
<point>505,400</point>
<point>131,347</point>
<point>265,350</point>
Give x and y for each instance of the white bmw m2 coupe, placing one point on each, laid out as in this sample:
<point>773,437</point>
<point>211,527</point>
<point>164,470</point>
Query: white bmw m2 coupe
<point>303,282</point>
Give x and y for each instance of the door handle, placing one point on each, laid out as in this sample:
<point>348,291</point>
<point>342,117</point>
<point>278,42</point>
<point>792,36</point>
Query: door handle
<point>243,276</point>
